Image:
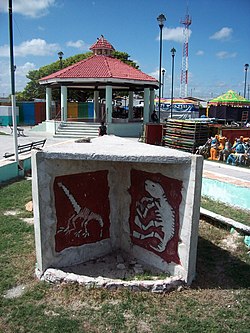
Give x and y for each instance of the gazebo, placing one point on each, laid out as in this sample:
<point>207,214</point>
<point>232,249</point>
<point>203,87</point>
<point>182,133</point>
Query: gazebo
<point>102,71</point>
<point>229,106</point>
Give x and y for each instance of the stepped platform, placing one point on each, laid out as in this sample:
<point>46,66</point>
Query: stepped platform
<point>73,129</point>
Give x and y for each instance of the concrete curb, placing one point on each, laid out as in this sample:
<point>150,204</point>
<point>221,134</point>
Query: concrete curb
<point>156,286</point>
<point>225,220</point>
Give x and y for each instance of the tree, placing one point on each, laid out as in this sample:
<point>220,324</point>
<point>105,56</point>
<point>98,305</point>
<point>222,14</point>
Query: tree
<point>124,57</point>
<point>34,90</point>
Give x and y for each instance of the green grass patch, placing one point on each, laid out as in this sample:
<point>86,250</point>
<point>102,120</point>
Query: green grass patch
<point>239,215</point>
<point>217,301</point>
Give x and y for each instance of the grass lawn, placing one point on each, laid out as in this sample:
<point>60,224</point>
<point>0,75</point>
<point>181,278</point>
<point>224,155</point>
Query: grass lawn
<point>236,214</point>
<point>217,301</point>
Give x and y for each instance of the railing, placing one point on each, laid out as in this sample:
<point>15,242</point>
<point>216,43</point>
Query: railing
<point>57,123</point>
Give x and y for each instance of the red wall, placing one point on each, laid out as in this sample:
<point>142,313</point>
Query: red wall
<point>232,134</point>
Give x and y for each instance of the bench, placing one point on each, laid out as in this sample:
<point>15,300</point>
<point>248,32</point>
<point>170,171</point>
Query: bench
<point>27,147</point>
<point>20,131</point>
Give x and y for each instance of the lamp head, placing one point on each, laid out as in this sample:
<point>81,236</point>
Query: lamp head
<point>60,54</point>
<point>173,50</point>
<point>161,19</point>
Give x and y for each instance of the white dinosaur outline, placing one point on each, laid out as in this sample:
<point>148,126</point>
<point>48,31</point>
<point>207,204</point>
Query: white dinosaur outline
<point>158,201</point>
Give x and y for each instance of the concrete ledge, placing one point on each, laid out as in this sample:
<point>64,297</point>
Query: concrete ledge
<point>156,286</point>
<point>225,220</point>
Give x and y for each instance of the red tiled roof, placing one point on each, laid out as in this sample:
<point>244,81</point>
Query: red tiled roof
<point>101,43</point>
<point>100,66</point>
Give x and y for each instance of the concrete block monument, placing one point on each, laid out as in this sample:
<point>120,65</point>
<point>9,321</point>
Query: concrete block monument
<point>111,194</point>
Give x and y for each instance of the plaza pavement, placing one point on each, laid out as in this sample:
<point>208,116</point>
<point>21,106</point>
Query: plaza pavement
<point>237,175</point>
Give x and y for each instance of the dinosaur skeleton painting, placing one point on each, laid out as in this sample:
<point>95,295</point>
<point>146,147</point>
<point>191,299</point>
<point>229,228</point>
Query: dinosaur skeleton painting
<point>84,215</point>
<point>82,209</point>
<point>154,214</point>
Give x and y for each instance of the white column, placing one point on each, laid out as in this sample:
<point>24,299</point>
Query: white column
<point>146,106</point>
<point>63,103</point>
<point>130,105</point>
<point>108,104</point>
<point>152,101</point>
<point>96,104</point>
<point>48,103</point>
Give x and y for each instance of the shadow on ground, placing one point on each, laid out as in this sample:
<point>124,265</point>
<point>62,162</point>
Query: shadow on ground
<point>219,268</point>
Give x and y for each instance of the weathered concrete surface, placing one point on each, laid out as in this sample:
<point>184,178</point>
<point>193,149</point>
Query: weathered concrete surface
<point>156,286</point>
<point>119,158</point>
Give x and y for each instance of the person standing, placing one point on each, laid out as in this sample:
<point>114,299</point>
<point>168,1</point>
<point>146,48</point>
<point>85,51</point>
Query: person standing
<point>154,117</point>
<point>102,129</point>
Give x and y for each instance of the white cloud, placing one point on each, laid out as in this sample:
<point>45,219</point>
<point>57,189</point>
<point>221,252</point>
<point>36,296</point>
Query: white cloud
<point>31,8</point>
<point>5,78</point>
<point>174,34</point>
<point>23,70</point>
<point>155,74</point>
<point>20,77</point>
<point>35,47</point>
<point>4,50</point>
<point>225,55</point>
<point>79,44</point>
<point>200,53</point>
<point>223,34</point>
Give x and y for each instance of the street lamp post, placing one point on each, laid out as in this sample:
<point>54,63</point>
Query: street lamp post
<point>161,19</point>
<point>163,74</point>
<point>173,50</point>
<point>246,68</point>
<point>60,55</point>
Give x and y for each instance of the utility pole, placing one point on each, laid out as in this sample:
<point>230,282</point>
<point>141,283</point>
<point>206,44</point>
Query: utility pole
<point>12,71</point>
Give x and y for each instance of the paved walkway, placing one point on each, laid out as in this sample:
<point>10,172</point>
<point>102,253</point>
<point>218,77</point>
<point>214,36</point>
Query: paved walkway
<point>7,141</point>
<point>227,173</point>
<point>215,170</point>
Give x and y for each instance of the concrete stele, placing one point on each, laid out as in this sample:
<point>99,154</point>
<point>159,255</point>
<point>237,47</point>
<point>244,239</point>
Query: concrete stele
<point>91,199</point>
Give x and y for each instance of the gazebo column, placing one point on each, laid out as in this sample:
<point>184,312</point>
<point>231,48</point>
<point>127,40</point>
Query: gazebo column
<point>48,103</point>
<point>108,104</point>
<point>64,106</point>
<point>146,106</point>
<point>96,104</point>
<point>152,101</point>
<point>130,105</point>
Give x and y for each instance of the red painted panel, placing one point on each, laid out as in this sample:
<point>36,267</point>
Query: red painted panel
<point>153,134</point>
<point>40,112</point>
<point>233,133</point>
<point>153,198</point>
<point>82,209</point>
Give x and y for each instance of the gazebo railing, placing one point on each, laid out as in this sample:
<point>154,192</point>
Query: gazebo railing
<point>57,123</point>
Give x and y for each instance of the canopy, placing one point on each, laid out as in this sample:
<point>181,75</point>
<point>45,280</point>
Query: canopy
<point>175,101</point>
<point>230,98</point>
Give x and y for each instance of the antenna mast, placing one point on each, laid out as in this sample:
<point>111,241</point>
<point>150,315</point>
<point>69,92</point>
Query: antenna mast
<point>184,66</point>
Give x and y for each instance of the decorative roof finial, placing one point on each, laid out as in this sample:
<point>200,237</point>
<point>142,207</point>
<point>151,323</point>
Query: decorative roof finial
<point>102,47</point>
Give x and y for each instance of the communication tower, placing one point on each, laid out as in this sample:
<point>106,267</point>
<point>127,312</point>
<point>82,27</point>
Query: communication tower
<point>184,66</point>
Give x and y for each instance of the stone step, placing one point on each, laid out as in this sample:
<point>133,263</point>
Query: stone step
<point>79,124</point>
<point>93,129</point>
<point>73,136</point>
<point>77,130</point>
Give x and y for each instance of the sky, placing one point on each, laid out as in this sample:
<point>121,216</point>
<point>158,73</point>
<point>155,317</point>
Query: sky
<point>219,38</point>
